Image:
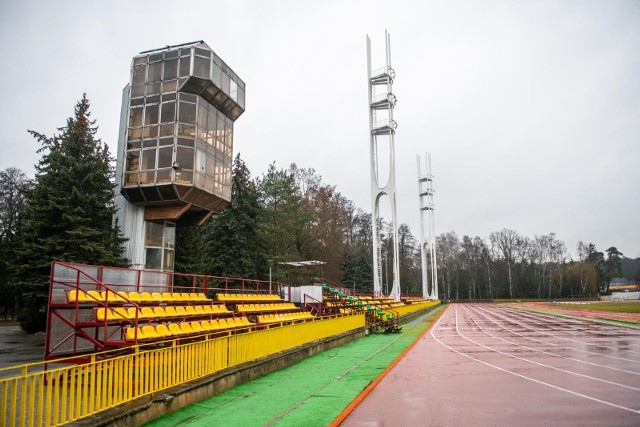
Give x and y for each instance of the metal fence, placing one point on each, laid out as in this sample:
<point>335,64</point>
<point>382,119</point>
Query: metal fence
<point>33,396</point>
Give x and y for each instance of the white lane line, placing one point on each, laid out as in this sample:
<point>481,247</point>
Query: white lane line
<point>528,378</point>
<point>553,354</point>
<point>634,338</point>
<point>510,319</point>
<point>630,335</point>
<point>544,365</point>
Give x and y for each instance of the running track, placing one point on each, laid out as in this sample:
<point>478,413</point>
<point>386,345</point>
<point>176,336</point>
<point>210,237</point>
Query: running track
<point>493,365</point>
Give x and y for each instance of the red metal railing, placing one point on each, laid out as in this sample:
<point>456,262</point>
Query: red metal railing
<point>73,328</point>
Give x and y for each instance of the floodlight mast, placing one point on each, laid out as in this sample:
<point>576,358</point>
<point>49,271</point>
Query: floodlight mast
<point>382,129</point>
<point>427,232</point>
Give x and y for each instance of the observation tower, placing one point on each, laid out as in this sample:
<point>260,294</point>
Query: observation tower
<point>175,147</point>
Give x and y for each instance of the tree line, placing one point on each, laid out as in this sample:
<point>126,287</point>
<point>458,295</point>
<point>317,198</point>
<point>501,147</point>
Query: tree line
<point>65,212</point>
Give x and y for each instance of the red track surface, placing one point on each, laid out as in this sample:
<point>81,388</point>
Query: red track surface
<point>493,365</point>
<point>592,314</point>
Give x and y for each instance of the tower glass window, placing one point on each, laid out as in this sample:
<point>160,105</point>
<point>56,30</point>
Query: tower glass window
<point>176,146</point>
<point>183,102</point>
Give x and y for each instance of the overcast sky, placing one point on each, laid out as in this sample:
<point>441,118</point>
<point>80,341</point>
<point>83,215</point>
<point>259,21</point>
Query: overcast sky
<point>530,109</point>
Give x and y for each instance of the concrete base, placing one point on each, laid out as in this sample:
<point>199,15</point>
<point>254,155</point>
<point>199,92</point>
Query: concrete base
<point>158,404</point>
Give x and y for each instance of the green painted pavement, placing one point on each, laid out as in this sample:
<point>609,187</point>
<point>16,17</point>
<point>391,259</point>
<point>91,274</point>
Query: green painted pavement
<point>312,392</point>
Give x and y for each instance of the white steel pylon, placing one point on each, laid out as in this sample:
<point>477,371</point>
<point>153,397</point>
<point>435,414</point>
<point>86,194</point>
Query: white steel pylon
<point>382,129</point>
<point>427,231</point>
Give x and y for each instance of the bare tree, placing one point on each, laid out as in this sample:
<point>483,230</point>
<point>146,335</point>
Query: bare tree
<point>509,246</point>
<point>13,185</point>
<point>540,249</point>
<point>448,250</point>
<point>558,257</point>
<point>486,262</point>
<point>589,259</point>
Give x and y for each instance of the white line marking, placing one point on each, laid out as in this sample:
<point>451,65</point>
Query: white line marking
<point>525,377</point>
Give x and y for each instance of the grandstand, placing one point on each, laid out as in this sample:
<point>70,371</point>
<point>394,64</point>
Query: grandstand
<point>94,309</point>
<point>115,335</point>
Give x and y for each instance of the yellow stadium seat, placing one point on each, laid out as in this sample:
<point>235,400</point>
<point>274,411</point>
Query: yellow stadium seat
<point>124,295</point>
<point>185,296</point>
<point>174,328</point>
<point>214,324</point>
<point>149,332</point>
<point>95,296</point>
<point>199,309</point>
<point>245,321</point>
<point>159,312</point>
<point>202,297</point>
<point>146,313</point>
<point>132,312</point>
<point>206,326</point>
<point>134,296</point>
<point>167,296</point>
<point>146,297</point>
<point>186,327</point>
<point>163,331</point>
<point>197,327</point>
<point>113,297</point>
<point>170,311</point>
<point>191,310</point>
<point>223,309</point>
<point>223,323</point>
<point>102,313</point>
<point>73,296</point>
<point>120,313</point>
<point>130,334</point>
<point>208,309</point>
<point>157,297</point>
<point>176,296</point>
<point>180,311</point>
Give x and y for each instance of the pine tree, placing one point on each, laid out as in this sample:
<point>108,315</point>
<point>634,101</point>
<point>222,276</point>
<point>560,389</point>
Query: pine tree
<point>69,212</point>
<point>286,219</point>
<point>358,267</point>
<point>612,266</point>
<point>236,249</point>
<point>192,250</point>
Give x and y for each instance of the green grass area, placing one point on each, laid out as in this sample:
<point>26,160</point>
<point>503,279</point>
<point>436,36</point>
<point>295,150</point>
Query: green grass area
<point>617,307</point>
<point>309,393</point>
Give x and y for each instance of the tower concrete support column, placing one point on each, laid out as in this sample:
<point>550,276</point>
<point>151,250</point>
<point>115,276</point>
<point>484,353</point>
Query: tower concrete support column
<point>427,230</point>
<point>382,130</point>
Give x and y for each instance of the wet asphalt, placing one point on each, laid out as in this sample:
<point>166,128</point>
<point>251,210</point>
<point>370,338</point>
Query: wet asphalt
<point>17,347</point>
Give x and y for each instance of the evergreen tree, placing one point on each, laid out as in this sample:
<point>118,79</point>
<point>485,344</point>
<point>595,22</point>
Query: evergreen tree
<point>192,250</point>
<point>286,220</point>
<point>69,212</point>
<point>235,247</point>
<point>358,268</point>
<point>613,265</point>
